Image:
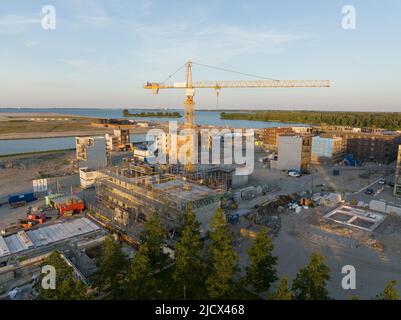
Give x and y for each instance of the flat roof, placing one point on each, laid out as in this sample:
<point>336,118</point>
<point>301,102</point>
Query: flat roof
<point>22,240</point>
<point>184,190</point>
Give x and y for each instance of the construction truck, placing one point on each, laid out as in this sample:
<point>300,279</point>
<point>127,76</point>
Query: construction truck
<point>36,217</point>
<point>26,224</point>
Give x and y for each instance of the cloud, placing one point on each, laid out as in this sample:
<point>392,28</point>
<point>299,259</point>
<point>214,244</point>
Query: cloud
<point>100,21</point>
<point>31,43</point>
<point>11,24</point>
<point>218,43</point>
<point>75,63</point>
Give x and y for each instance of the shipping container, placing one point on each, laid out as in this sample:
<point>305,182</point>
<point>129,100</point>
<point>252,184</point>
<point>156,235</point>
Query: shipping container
<point>16,200</point>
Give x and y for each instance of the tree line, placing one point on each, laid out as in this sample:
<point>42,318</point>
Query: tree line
<point>383,120</point>
<point>201,269</point>
<point>158,114</point>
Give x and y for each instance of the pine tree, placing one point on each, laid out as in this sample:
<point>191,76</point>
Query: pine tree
<point>112,269</point>
<point>390,292</point>
<point>189,270</point>
<point>310,282</point>
<point>261,272</point>
<point>66,286</point>
<point>154,237</point>
<point>283,292</point>
<point>222,258</point>
<point>142,283</point>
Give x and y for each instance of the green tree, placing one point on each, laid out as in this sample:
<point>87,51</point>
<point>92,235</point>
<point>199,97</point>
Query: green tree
<point>261,271</point>
<point>67,287</point>
<point>112,269</point>
<point>222,258</point>
<point>189,269</point>
<point>310,282</point>
<point>142,283</point>
<point>154,237</point>
<point>283,292</point>
<point>390,292</point>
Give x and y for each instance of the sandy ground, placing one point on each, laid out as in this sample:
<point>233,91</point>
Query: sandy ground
<point>49,125</point>
<point>24,169</point>
<point>304,233</point>
<point>61,134</point>
<point>300,237</point>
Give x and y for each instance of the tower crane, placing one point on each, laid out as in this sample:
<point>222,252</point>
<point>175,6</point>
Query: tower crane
<point>190,86</point>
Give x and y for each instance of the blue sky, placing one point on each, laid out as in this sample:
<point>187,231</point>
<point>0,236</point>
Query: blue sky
<point>102,51</point>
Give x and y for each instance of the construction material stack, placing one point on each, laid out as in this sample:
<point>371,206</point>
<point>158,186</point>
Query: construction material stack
<point>68,205</point>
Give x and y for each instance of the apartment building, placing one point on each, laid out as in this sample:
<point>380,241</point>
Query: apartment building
<point>91,152</point>
<point>294,152</point>
<point>327,150</point>
<point>380,147</point>
<point>271,135</point>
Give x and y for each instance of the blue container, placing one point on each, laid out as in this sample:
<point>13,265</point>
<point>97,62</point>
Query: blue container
<point>24,197</point>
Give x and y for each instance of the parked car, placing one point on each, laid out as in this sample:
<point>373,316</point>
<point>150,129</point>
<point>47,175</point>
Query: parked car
<point>294,174</point>
<point>382,181</point>
<point>369,191</point>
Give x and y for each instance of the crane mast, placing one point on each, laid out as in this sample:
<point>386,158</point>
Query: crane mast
<point>190,86</point>
<point>189,105</point>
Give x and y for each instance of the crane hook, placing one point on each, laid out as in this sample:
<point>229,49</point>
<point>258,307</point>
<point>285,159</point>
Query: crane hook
<point>217,89</point>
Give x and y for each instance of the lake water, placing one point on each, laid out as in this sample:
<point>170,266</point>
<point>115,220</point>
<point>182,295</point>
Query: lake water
<point>30,145</point>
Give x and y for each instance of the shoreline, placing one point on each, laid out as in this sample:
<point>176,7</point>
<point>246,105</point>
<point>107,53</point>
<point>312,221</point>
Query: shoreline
<point>50,135</point>
<point>2,156</point>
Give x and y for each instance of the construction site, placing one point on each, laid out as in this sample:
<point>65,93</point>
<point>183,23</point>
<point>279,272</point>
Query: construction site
<point>128,196</point>
<point>305,188</point>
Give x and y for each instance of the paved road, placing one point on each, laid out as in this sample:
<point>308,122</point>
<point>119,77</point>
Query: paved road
<point>381,193</point>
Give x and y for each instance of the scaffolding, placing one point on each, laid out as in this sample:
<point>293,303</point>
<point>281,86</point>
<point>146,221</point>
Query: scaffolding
<point>128,196</point>
<point>213,176</point>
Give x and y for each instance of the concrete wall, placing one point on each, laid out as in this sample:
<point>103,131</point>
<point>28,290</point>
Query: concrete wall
<point>289,153</point>
<point>95,150</point>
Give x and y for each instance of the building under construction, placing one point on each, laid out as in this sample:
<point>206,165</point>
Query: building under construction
<point>215,176</point>
<point>128,196</point>
<point>397,182</point>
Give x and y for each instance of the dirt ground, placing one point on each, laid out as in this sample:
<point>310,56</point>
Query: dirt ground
<point>320,180</point>
<point>376,256</point>
<point>17,172</point>
<point>302,234</point>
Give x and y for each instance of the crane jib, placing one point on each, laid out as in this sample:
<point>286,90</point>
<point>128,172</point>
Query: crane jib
<point>243,84</point>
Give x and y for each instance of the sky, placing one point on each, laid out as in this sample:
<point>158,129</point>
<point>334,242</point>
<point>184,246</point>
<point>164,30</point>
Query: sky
<point>102,51</point>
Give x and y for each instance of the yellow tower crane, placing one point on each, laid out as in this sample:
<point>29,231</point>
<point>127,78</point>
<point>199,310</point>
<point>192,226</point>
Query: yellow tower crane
<point>190,86</point>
